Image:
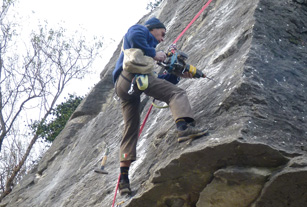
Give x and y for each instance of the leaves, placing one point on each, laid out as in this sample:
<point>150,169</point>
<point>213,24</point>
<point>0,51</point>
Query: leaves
<point>61,114</point>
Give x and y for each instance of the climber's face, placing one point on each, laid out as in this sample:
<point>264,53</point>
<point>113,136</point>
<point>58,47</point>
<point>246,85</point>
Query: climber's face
<point>159,34</point>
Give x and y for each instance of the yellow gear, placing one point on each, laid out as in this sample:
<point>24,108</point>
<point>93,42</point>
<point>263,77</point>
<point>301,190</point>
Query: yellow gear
<point>142,82</point>
<point>192,69</point>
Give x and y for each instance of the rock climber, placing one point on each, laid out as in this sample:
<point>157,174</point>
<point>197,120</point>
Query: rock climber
<point>163,88</point>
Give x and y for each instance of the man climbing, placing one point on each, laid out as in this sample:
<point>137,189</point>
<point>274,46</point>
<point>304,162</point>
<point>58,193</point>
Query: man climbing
<point>162,88</point>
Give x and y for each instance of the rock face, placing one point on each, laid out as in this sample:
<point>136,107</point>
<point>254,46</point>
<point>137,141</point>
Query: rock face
<point>256,110</point>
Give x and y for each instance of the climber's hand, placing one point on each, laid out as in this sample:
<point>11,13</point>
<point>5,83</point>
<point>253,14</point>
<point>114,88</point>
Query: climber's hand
<point>187,75</point>
<point>160,56</point>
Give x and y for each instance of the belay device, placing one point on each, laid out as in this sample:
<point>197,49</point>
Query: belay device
<point>175,63</point>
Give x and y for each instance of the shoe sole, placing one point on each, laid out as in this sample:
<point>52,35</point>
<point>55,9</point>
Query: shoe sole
<point>125,191</point>
<point>193,136</point>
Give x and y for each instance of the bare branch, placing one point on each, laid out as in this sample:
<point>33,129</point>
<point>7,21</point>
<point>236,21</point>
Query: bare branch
<point>34,78</point>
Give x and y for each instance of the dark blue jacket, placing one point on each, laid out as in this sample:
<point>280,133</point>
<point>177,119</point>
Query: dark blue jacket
<point>138,36</point>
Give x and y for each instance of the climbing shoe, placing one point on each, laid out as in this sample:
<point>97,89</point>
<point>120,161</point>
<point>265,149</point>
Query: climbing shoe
<point>191,133</point>
<point>124,187</point>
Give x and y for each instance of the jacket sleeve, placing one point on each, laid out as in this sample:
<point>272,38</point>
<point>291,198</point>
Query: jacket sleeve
<point>170,77</point>
<point>137,38</point>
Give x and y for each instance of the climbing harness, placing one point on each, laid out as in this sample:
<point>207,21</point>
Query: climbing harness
<point>149,110</point>
<point>131,90</point>
<point>158,107</point>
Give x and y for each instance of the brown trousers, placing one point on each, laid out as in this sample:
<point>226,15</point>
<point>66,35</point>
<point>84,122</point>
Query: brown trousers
<point>159,89</point>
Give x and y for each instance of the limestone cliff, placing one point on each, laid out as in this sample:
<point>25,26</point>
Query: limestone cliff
<point>256,110</point>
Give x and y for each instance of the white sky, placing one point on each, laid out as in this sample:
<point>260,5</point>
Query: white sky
<point>102,18</point>
<point>109,19</point>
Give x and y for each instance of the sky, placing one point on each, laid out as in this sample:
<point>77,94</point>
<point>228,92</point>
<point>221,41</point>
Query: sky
<point>109,19</point>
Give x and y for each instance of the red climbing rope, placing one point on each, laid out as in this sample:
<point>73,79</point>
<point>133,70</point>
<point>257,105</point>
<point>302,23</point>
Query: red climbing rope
<point>146,117</point>
<point>193,20</point>
<point>149,110</point>
<point>141,129</point>
<point>114,199</point>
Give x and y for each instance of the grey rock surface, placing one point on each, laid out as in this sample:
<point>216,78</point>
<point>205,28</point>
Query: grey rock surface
<point>256,110</point>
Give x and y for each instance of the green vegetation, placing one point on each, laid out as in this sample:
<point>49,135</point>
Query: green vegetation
<point>61,114</point>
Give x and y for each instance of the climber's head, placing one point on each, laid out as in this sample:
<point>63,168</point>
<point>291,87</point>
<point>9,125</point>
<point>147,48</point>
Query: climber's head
<point>156,28</point>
